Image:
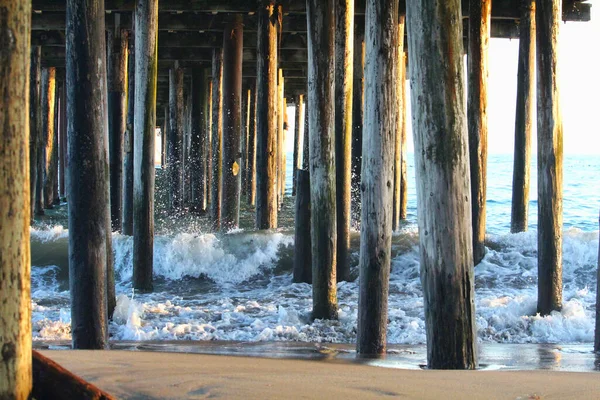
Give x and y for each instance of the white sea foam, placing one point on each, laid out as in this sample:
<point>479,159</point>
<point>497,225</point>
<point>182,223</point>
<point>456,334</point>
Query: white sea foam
<point>246,298</point>
<point>48,234</point>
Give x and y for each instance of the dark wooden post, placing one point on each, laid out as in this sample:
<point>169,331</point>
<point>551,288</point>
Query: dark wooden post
<point>15,212</point>
<point>217,136</point>
<point>403,144</point>
<point>245,131</point>
<point>233,39</point>
<point>35,123</point>
<point>381,39</point>
<point>306,140</point>
<point>128,146</point>
<point>280,139</point>
<point>209,144</point>
<point>88,183</point>
<point>320,17</point>
<point>175,139</point>
<point>55,148</point>
<point>480,12</point>
<point>198,140</point>
<point>146,63</point>
<point>186,145</point>
<point>299,131</point>
<point>550,158</point>
<point>283,154</point>
<point>266,115</point>
<point>48,109</point>
<point>62,142</point>
<point>443,181</point>
<point>163,138</point>
<point>399,64</point>
<point>117,111</point>
<point>344,76</point>
<point>357,117</point>
<point>252,150</point>
<point>524,118</point>
<point>302,242</point>
<point>597,332</point>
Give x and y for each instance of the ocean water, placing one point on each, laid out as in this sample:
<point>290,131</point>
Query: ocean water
<point>238,286</point>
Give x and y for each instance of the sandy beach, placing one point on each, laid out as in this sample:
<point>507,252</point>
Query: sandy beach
<point>151,375</point>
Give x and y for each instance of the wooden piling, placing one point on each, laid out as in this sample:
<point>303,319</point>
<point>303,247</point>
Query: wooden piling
<point>55,149</point>
<point>443,182</point>
<point>550,158</point>
<point>232,121</point>
<point>15,263</point>
<point>198,140</point>
<point>597,331</point>
<point>283,153</point>
<point>48,127</point>
<point>209,144</point>
<point>252,150</point>
<point>62,143</point>
<point>403,144</point>
<point>245,131</point>
<point>128,146</point>
<point>357,117</point>
<point>524,118</point>
<point>344,77</point>
<point>302,242</point>
<point>117,111</point>
<point>88,183</point>
<point>306,140</point>
<point>175,139</point>
<point>146,63</point>
<point>186,147</point>
<point>480,12</point>
<point>381,39</point>
<point>280,139</point>
<point>320,16</point>
<point>266,115</point>
<point>217,137</point>
<point>163,138</point>
<point>399,65</point>
<point>35,123</point>
<point>298,132</point>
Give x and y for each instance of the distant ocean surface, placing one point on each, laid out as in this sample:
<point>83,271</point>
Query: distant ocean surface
<point>238,286</point>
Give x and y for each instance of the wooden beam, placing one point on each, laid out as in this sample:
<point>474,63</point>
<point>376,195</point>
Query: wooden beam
<point>550,158</point>
<point>443,182</point>
<point>146,32</point>
<point>217,137</point>
<point>15,214</point>
<point>88,184</point>
<point>524,120</point>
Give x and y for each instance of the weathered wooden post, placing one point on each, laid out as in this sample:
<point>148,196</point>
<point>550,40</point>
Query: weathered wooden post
<point>163,138</point>
<point>524,118</point>
<point>320,17</point>
<point>186,147</point>
<point>550,158</point>
<point>15,214</point>
<point>302,242</point>
<point>597,332</point>
<point>252,150</point>
<point>280,139</point>
<point>480,12</point>
<point>209,143</point>
<point>282,148</point>
<point>88,183</point>
<point>117,112</point>
<point>381,39</point>
<point>128,146</point>
<point>344,76</point>
<point>245,132</point>
<point>62,142</point>
<point>55,149</point>
<point>266,115</point>
<point>306,140</point>
<point>35,123</point>
<point>198,140</point>
<point>299,131</point>
<point>403,143</point>
<point>232,121</point>
<point>146,63</point>
<point>443,181</point>
<point>48,137</point>
<point>175,139</point>
<point>217,137</point>
<point>357,116</point>
<point>400,65</point>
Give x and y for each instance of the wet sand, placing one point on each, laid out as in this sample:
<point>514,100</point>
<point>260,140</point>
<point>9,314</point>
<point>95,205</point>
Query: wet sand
<point>154,375</point>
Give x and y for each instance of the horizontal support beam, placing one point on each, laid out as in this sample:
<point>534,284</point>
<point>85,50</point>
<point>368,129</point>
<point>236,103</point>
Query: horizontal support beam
<point>193,15</point>
<point>573,10</point>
